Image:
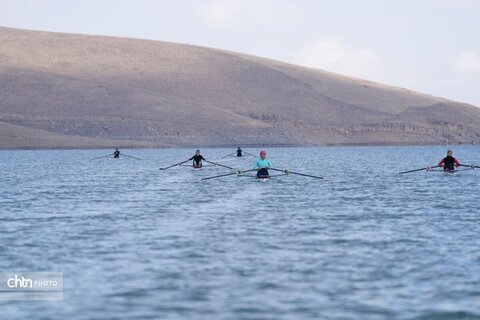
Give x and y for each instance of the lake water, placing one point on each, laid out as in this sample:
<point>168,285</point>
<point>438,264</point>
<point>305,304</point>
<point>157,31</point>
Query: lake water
<point>136,242</point>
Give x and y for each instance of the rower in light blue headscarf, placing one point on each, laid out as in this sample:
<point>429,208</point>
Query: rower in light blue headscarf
<point>262,165</point>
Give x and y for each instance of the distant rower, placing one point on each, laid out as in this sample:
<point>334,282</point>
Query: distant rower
<point>239,152</point>
<point>116,154</point>
<point>197,159</point>
<point>262,165</point>
<point>449,162</point>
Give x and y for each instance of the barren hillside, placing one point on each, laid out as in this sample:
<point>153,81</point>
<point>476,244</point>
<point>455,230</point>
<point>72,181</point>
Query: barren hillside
<point>64,90</point>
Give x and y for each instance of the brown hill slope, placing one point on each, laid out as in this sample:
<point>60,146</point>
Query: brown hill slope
<point>88,91</point>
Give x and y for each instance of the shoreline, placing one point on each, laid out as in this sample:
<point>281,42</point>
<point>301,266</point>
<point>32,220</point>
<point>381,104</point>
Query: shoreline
<point>244,146</point>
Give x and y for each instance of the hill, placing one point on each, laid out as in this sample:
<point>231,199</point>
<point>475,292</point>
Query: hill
<point>66,90</point>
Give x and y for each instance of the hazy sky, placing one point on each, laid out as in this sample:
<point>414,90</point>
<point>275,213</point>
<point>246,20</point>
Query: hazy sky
<point>432,46</point>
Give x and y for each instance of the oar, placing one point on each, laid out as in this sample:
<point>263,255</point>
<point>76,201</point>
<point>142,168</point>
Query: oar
<point>239,172</point>
<point>415,170</point>
<point>218,164</point>
<point>174,165</point>
<point>277,175</point>
<point>108,155</point>
<point>126,155</point>
<point>228,155</point>
<point>297,173</point>
<point>470,166</point>
<point>249,154</point>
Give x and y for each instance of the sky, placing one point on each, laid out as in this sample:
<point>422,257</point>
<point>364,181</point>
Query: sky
<point>431,46</point>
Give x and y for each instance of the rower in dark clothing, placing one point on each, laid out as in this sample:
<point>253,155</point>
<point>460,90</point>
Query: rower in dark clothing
<point>197,159</point>
<point>449,162</point>
<point>239,152</point>
<point>116,154</point>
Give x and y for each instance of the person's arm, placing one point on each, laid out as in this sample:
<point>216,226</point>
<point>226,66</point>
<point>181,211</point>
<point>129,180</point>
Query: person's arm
<point>457,163</point>
<point>191,158</point>
<point>441,162</point>
<point>255,166</point>
<point>203,158</point>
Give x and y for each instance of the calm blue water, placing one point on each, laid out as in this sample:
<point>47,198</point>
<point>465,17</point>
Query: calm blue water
<point>137,242</point>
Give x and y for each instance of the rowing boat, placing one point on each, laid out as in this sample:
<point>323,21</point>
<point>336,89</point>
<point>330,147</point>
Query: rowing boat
<point>450,173</point>
<point>283,172</point>
<point>455,172</point>
<point>184,164</point>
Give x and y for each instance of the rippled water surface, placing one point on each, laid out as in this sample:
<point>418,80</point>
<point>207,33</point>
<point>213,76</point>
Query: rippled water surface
<point>136,242</point>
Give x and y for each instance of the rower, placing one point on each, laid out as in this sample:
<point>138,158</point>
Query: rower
<point>262,165</point>
<point>449,162</point>
<point>239,152</point>
<point>197,159</point>
<point>116,154</point>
